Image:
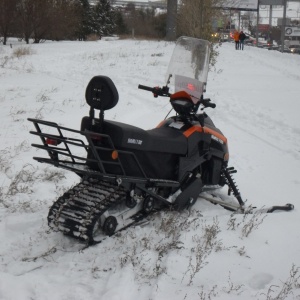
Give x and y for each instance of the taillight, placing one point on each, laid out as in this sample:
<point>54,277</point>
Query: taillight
<point>52,142</point>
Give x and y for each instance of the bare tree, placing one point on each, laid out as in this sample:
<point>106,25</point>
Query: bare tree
<point>195,18</point>
<point>144,22</point>
<point>25,11</point>
<point>41,19</point>
<point>7,18</point>
<point>48,19</point>
<point>65,17</point>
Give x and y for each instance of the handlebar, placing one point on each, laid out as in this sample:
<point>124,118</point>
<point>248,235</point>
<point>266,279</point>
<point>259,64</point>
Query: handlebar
<point>164,91</point>
<point>157,91</point>
<point>207,103</point>
<point>146,88</point>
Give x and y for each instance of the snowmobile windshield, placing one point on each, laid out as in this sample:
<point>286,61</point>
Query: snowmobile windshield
<point>188,68</point>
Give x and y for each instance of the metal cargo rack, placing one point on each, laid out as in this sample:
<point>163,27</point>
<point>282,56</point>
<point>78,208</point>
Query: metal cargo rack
<point>62,146</point>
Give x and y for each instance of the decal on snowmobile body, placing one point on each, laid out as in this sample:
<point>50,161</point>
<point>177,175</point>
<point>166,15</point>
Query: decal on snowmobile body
<point>134,141</point>
<point>217,139</point>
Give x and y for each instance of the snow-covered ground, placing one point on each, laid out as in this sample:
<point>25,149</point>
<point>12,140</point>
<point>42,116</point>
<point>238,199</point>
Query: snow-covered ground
<point>206,253</point>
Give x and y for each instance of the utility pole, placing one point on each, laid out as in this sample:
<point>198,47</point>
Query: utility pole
<point>171,20</point>
<point>257,23</point>
<point>270,23</point>
<point>283,25</point>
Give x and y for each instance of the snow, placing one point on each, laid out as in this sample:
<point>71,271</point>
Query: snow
<point>204,253</point>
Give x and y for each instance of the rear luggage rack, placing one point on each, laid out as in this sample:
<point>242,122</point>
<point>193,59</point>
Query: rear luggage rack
<point>69,152</point>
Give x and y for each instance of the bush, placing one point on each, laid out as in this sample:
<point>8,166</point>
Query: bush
<point>21,51</point>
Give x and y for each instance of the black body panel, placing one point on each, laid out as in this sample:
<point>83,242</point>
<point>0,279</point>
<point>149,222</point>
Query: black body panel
<point>163,152</point>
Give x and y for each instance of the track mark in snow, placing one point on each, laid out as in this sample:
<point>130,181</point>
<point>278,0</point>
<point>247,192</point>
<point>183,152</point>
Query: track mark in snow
<point>259,124</point>
<point>260,280</point>
<point>263,61</point>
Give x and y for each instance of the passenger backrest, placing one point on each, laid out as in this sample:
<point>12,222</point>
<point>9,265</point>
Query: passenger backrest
<point>101,93</point>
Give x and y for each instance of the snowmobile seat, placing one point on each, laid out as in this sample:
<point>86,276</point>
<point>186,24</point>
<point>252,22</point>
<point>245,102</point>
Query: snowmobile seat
<point>166,140</point>
<point>101,93</point>
<point>126,136</point>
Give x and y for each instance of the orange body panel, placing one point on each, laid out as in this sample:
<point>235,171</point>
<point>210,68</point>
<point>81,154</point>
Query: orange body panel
<point>204,129</point>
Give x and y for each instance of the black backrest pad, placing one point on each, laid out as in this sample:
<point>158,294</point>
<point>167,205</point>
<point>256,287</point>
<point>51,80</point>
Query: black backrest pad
<point>101,93</point>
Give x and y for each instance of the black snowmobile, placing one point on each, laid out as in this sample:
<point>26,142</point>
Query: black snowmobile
<point>127,172</point>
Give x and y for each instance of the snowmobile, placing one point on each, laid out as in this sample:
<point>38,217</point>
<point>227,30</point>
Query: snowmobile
<point>126,172</point>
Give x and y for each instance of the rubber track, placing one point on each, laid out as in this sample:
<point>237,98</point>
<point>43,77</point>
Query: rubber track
<point>76,211</point>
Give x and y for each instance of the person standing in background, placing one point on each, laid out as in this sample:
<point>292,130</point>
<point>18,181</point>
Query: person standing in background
<point>242,38</point>
<point>236,37</point>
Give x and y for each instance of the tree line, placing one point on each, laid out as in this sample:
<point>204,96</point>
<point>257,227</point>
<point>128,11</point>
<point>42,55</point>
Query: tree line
<point>77,20</point>
<point>74,20</point>
<point>54,19</point>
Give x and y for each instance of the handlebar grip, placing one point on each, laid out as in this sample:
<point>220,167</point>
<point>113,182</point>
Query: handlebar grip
<point>212,105</point>
<point>146,88</point>
<point>207,103</point>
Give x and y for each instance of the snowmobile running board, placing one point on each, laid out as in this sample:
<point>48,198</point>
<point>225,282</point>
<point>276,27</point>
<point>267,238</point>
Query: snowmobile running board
<point>243,209</point>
